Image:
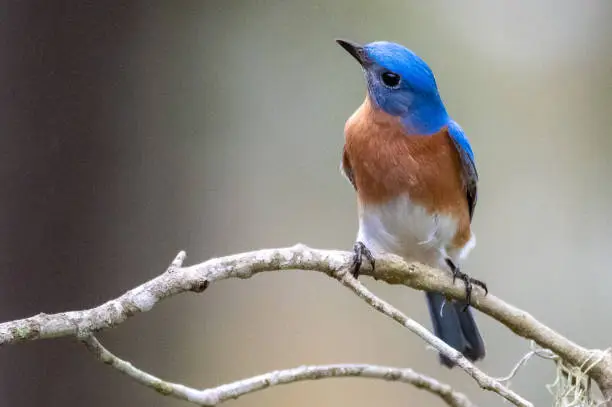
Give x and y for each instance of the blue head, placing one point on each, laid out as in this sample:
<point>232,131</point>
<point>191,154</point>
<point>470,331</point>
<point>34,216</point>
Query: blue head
<point>401,84</point>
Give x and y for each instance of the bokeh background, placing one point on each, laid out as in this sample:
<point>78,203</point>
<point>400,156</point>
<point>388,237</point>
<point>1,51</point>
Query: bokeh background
<point>131,130</point>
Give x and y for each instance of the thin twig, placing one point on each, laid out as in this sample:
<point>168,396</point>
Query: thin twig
<point>535,351</point>
<point>217,395</point>
<point>484,381</point>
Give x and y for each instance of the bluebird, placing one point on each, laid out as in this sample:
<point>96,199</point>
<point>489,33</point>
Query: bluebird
<point>414,173</point>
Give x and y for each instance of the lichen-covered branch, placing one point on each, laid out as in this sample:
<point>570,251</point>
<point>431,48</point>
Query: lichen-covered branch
<point>217,395</point>
<point>392,269</point>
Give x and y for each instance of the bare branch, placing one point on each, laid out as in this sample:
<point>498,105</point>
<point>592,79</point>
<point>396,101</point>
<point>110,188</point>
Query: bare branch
<point>178,260</point>
<point>484,381</point>
<point>391,269</point>
<point>217,395</point>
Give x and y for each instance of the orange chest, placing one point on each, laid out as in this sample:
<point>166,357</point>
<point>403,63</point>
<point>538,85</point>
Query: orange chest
<point>385,162</point>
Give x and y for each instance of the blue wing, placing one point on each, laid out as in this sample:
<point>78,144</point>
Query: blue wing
<point>470,174</point>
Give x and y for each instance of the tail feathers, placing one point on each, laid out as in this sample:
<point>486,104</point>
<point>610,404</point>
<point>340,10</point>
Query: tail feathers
<point>455,327</point>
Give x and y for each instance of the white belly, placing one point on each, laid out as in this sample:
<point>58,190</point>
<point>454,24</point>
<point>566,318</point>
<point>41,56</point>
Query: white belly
<point>405,229</point>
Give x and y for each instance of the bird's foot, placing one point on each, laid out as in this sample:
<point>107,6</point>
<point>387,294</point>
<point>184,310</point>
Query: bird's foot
<point>469,282</point>
<point>360,251</point>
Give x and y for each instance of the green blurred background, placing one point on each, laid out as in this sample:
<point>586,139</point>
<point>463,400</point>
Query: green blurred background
<point>131,130</point>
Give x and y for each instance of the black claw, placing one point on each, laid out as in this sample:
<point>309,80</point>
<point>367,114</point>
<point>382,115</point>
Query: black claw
<point>469,282</point>
<point>481,284</point>
<point>360,251</point>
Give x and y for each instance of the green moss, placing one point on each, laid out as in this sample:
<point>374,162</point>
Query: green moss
<point>24,333</point>
<point>162,388</point>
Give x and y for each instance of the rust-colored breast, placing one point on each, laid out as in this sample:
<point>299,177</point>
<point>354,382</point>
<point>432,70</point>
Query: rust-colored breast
<point>385,163</point>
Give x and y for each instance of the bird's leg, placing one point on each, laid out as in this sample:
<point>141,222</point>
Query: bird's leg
<point>469,281</point>
<point>360,251</point>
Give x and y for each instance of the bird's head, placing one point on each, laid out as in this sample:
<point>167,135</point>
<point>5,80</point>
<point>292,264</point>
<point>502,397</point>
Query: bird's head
<point>399,82</point>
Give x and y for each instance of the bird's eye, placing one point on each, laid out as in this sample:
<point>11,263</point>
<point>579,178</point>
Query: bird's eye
<point>390,79</point>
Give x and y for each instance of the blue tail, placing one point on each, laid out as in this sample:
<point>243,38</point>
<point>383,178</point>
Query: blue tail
<point>455,327</point>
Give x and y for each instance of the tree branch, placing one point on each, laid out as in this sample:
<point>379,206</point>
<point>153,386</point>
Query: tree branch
<point>389,268</point>
<point>484,381</point>
<point>217,395</point>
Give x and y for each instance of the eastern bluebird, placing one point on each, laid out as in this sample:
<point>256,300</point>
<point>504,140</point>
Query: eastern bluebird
<point>414,172</point>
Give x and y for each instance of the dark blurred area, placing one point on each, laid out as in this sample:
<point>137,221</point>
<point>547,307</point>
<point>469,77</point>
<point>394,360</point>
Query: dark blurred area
<point>132,130</point>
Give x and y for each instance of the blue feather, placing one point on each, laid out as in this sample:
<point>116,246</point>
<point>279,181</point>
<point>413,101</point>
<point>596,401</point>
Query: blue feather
<point>415,99</point>
<point>460,139</point>
<point>470,174</point>
<point>401,60</point>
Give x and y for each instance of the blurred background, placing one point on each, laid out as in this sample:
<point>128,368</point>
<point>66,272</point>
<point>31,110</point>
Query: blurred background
<point>132,130</point>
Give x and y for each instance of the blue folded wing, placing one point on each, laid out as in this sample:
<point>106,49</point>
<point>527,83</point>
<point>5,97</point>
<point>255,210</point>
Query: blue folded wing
<point>470,174</point>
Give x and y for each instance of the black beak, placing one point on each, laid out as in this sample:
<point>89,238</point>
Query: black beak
<point>356,50</point>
